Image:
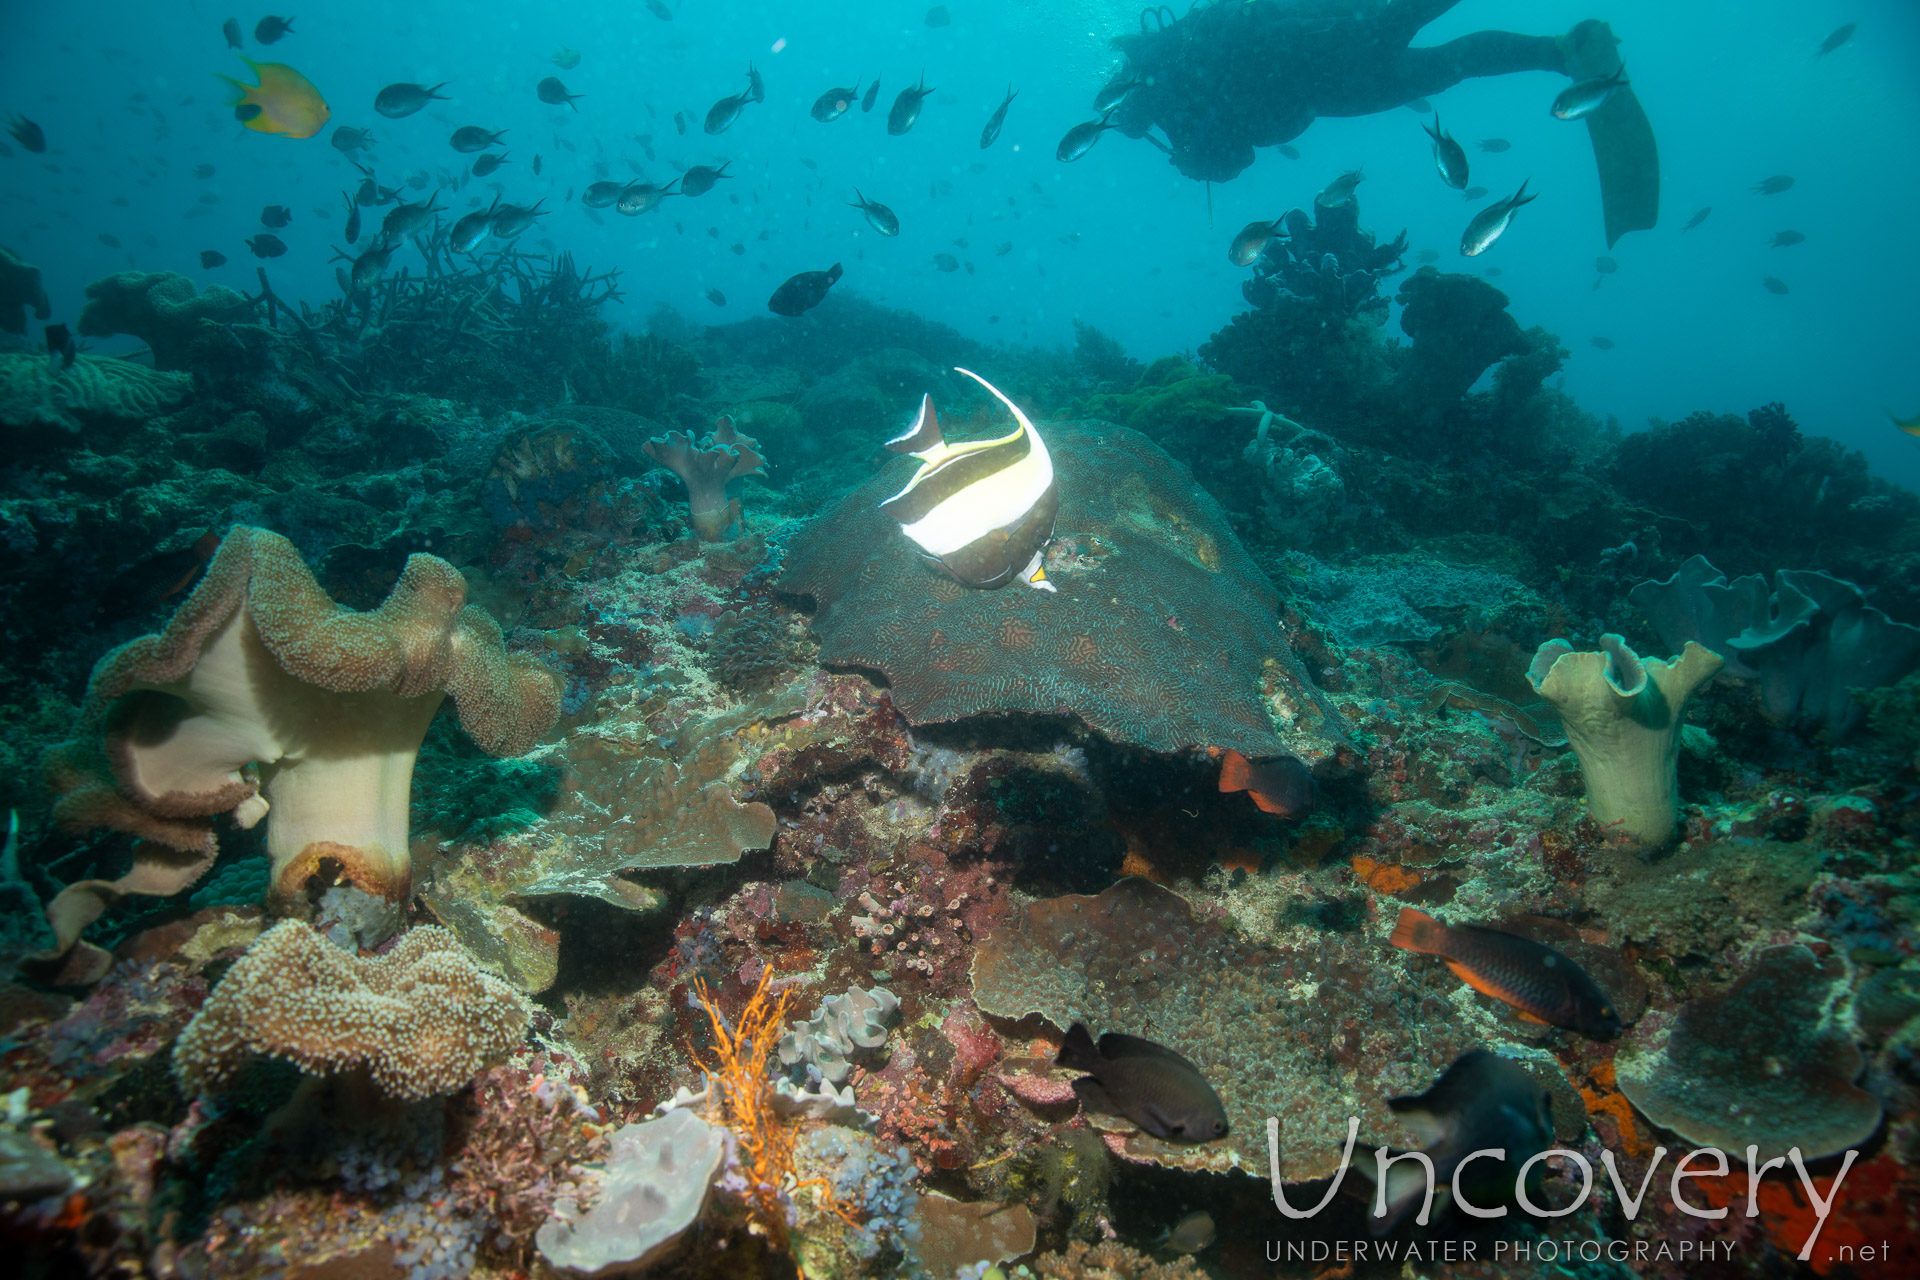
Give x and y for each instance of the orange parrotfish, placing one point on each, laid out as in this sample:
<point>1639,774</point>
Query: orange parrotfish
<point>284,102</point>
<point>1543,985</point>
<point>1909,425</point>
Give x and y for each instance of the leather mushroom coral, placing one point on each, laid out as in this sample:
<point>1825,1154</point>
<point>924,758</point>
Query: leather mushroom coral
<point>706,469</point>
<point>264,700</point>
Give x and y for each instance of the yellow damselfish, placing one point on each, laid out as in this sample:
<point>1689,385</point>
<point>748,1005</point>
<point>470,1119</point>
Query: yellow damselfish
<point>284,102</point>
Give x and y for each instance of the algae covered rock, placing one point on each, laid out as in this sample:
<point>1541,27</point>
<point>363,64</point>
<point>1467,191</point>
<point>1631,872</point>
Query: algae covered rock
<point>1160,634</point>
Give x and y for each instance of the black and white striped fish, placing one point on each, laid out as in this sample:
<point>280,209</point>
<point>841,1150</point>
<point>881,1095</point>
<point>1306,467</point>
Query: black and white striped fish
<point>983,511</point>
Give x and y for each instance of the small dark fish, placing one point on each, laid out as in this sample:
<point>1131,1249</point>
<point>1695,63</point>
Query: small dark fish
<point>371,265</point>
<point>1279,785</point>
<point>203,171</point>
<point>1697,218</point>
<point>1147,1083</point>
<point>1578,101</point>
<point>1191,1234</point>
<point>471,138</point>
<point>1449,157</point>
<point>1004,248</point>
<point>266,246</point>
<point>536,164</point>
<point>1493,272</point>
<point>1340,190</point>
<point>1545,986</point>
<point>472,230</point>
<point>939,17</point>
<point>1115,91</point>
<point>1773,186</point>
<point>1427,255</point>
<point>269,29</point>
<point>1841,34</point>
<point>991,134</point>
<point>699,180</point>
<point>722,114</point>
<point>680,122</point>
<point>403,99</point>
<point>1080,139</point>
<point>404,219</point>
<point>62,350</point>
<point>659,10</point>
<point>1604,344</point>
<point>1605,266</point>
<point>275,216</point>
<point>512,219</point>
<point>1253,241</point>
<point>1483,1102</point>
<point>906,108</point>
<point>716,297</point>
<point>1787,239</point>
<point>350,140</point>
<point>946,262</point>
<point>599,195</point>
<point>1419,106</point>
<point>555,94</point>
<point>211,258</point>
<point>486,164</point>
<point>1492,222</point>
<point>737,249</point>
<point>1495,146</point>
<point>756,87</point>
<point>881,217</point>
<point>353,217</point>
<point>637,198</point>
<point>834,103</point>
<point>803,292</point>
<point>28,134</point>
<point>1774,284</point>
<point>231,29</point>
<point>141,586</point>
<point>1288,150</point>
<point>871,96</point>
<point>112,242</point>
<point>1474,193</point>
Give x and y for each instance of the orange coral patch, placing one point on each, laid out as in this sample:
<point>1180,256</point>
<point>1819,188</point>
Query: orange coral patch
<point>1384,877</point>
<point>1237,859</point>
<point>1872,1230</point>
<point>1136,864</point>
<point>1614,1104</point>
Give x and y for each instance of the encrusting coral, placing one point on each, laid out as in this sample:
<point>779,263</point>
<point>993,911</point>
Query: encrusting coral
<point>655,1185</point>
<point>706,469</point>
<point>422,1020</point>
<point>262,695</point>
<point>1623,714</point>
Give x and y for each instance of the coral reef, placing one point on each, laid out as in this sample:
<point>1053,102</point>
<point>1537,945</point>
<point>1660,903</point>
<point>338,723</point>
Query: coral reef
<point>1157,602</point>
<point>1325,269</point>
<point>706,469</point>
<point>1460,327</point>
<point>1763,1064</point>
<point>162,309</point>
<point>1810,645</point>
<point>816,1054</point>
<point>258,697</point>
<point>20,292</point>
<point>421,1019</point>
<point>1623,716</point>
<point>650,1195</point>
<point>98,397</point>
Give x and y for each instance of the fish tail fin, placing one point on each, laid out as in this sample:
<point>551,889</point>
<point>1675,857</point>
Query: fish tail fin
<point>1077,1051</point>
<point>1418,931</point>
<point>924,435</point>
<point>1521,197</point>
<point>1236,772</point>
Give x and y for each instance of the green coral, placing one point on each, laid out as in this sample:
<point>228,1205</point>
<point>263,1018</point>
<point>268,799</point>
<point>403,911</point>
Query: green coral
<point>95,391</point>
<point>160,308</point>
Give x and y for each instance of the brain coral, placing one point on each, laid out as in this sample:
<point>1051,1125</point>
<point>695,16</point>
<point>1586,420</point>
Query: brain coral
<point>1159,636</point>
<point>1311,1034</point>
<point>1764,1063</point>
<point>96,391</point>
<point>162,309</point>
<point>422,1019</point>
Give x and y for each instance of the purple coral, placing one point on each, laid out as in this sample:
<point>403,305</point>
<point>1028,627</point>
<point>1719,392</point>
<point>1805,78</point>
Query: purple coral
<point>705,469</point>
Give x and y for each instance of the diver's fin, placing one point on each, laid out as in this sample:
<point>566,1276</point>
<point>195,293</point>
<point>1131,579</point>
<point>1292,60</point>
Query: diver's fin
<point>1622,136</point>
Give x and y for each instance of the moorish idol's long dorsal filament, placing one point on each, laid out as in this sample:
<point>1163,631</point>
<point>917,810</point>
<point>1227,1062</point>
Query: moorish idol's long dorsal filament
<point>983,511</point>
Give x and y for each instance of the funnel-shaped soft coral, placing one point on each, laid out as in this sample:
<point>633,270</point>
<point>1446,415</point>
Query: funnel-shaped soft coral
<point>1623,715</point>
<point>705,469</point>
<point>263,697</point>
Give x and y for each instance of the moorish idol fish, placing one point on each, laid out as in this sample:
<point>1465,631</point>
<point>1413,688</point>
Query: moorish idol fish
<point>983,511</point>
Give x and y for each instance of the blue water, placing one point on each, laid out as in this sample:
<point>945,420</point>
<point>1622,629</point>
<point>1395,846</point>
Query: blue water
<point>128,97</point>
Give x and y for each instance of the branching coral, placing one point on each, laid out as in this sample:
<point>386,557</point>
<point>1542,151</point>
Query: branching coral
<point>706,469</point>
<point>1623,713</point>
<point>262,695</point>
<point>422,1020</point>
